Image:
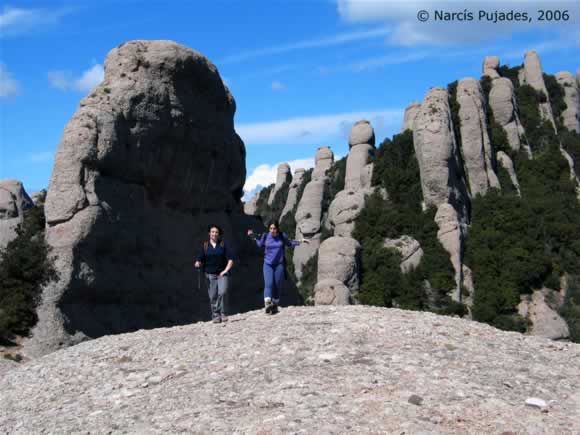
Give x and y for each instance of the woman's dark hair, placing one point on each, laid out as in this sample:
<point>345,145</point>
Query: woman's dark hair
<point>209,227</point>
<point>275,223</point>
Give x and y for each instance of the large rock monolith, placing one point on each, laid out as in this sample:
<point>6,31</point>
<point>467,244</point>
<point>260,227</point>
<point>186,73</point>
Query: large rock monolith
<point>475,144</point>
<point>149,159</point>
<point>339,259</point>
<point>503,104</point>
<point>534,76</point>
<point>437,154</point>
<point>283,176</point>
<point>572,99</point>
<point>490,66</point>
<point>292,198</point>
<point>410,114</point>
<point>309,212</point>
<point>348,203</point>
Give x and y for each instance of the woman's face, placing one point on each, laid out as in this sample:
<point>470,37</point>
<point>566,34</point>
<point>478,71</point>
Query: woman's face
<point>273,230</point>
<point>214,233</point>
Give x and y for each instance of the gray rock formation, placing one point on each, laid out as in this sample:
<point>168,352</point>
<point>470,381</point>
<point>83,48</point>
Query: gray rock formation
<point>410,113</point>
<point>348,204</point>
<point>490,66</point>
<point>149,159</point>
<point>308,222</point>
<point>437,154</point>
<point>6,365</point>
<point>410,250</point>
<point>251,206</point>
<point>533,76</point>
<point>343,211</point>
<point>361,133</point>
<point>504,107</point>
<point>572,98</point>
<point>13,202</point>
<point>450,235</point>
<point>545,320</point>
<point>505,162</point>
<point>362,148</point>
<point>339,258</point>
<point>331,291</point>
<point>283,176</point>
<point>475,143</point>
<point>318,370</point>
<point>323,160</point>
<point>309,212</point>
<point>292,198</point>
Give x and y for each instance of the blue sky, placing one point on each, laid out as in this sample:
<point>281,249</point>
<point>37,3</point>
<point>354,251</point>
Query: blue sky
<point>301,71</point>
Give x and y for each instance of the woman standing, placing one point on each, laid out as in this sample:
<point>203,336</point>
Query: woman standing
<point>273,243</point>
<point>218,259</point>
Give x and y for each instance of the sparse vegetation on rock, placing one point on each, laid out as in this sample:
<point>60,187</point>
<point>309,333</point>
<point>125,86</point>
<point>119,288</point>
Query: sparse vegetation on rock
<point>25,266</point>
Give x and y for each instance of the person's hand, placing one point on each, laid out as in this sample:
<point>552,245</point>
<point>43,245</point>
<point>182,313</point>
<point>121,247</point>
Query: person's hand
<point>223,273</point>
<point>250,233</point>
<point>197,264</point>
<point>305,241</point>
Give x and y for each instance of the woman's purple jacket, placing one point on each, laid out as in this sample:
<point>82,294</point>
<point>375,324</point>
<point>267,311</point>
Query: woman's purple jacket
<point>274,247</point>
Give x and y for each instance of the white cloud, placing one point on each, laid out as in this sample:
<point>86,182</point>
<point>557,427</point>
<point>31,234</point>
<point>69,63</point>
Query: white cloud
<point>409,31</point>
<point>90,78</point>
<point>314,129</point>
<point>8,86</point>
<point>16,21</point>
<point>278,86</point>
<point>264,175</point>
<point>329,41</point>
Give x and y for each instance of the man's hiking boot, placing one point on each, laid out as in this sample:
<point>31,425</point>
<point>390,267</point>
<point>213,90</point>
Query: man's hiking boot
<point>224,318</point>
<point>269,307</point>
<point>217,320</point>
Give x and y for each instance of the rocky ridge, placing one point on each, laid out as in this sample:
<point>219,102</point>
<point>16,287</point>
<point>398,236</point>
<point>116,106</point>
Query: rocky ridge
<point>317,370</point>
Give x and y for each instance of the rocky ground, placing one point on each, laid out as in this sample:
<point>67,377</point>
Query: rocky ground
<point>306,370</point>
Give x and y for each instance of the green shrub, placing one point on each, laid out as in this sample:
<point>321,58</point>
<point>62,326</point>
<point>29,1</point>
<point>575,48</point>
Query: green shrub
<point>571,143</point>
<point>510,73</point>
<point>557,94</point>
<point>517,244</point>
<point>309,279</point>
<point>496,133</point>
<point>25,267</point>
<point>539,132</point>
<point>570,309</point>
